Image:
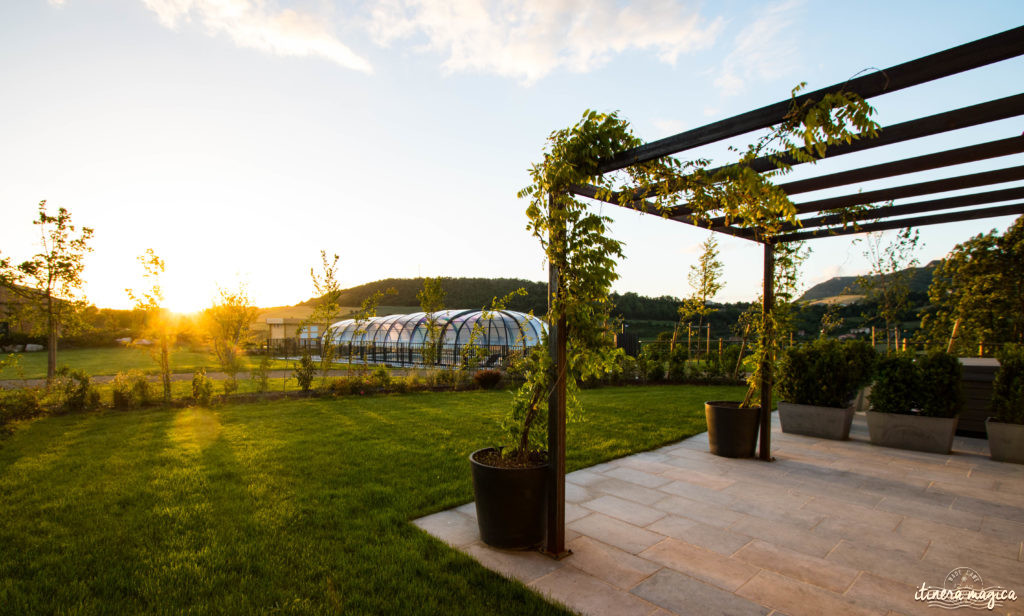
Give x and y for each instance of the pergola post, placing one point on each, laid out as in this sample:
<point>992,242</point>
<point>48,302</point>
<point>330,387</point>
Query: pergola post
<point>557,341</point>
<point>767,344</point>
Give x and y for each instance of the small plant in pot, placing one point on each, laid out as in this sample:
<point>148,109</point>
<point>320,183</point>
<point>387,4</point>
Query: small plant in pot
<point>817,382</point>
<point>914,402</point>
<point>1006,427</point>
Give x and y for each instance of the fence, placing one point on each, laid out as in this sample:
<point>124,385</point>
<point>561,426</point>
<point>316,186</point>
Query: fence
<point>399,354</point>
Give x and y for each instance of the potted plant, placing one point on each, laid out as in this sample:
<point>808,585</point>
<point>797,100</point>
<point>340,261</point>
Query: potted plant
<point>1006,427</point>
<point>914,402</point>
<point>817,383</point>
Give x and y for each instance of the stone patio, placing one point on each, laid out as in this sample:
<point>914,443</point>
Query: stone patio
<point>830,527</point>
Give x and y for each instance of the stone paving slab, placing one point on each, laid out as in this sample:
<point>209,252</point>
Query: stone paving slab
<point>829,527</point>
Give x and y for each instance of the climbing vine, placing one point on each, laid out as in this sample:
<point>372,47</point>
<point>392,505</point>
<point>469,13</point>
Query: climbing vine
<point>576,241</point>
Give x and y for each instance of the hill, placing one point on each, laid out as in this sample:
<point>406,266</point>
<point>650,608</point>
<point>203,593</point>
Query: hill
<point>845,288</point>
<point>459,293</point>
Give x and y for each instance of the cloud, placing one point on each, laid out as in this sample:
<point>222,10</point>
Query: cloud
<point>761,51</point>
<point>528,39</point>
<point>258,25</point>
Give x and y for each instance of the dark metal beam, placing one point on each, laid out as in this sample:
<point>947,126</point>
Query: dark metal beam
<point>768,329</point>
<point>905,209</point>
<point>903,223</point>
<point>958,156</point>
<point>971,55</point>
<point>965,117</point>
<point>972,180</point>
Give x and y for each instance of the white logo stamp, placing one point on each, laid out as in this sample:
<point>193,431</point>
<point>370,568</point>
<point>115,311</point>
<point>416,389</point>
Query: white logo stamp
<point>963,587</point>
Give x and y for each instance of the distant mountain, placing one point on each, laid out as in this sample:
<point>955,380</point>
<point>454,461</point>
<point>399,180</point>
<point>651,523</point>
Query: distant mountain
<point>459,293</point>
<point>848,288</point>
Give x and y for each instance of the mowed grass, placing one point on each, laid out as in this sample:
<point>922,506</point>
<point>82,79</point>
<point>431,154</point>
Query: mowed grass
<point>297,507</point>
<point>108,361</point>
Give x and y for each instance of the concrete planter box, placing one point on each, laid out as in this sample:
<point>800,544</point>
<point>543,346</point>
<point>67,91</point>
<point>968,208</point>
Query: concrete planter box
<point>820,421</point>
<point>930,434</point>
<point>1005,441</point>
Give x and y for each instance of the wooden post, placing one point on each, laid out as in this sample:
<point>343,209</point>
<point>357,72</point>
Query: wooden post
<point>952,337</point>
<point>872,336</point>
<point>707,347</point>
<point>767,307</point>
<point>557,342</point>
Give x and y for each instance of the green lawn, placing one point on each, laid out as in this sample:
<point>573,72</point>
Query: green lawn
<point>298,506</point>
<point>105,361</point>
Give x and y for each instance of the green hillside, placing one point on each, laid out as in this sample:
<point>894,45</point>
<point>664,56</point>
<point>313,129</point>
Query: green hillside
<point>920,280</point>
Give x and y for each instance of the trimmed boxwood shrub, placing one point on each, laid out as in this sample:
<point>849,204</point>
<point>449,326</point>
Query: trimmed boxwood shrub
<point>928,386</point>
<point>825,372</point>
<point>941,394</point>
<point>897,385</point>
<point>1008,387</point>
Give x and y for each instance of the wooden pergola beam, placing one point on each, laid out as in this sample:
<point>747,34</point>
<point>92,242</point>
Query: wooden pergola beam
<point>1012,209</point>
<point>958,156</point>
<point>905,209</point>
<point>964,57</point>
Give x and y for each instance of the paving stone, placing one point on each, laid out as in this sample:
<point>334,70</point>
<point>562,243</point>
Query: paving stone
<point>454,528</point>
<point>584,477</point>
<point>884,595</point>
<point>608,563</point>
<point>468,509</point>
<point>696,533</point>
<point>795,598</point>
<point>992,568</point>
<point>791,513</point>
<point>712,515</point>
<point>944,515</point>
<point>616,532</point>
<point>799,566</point>
<point>649,466</point>
<point>891,564</point>
<point>523,565</point>
<point>785,535</point>
<point>696,562</point>
<point>708,480</point>
<point>958,538</point>
<point>626,490</point>
<point>697,493</point>
<point>681,594</point>
<point>574,512</point>
<point>1006,529</point>
<point>988,508</point>
<point>625,510</point>
<point>638,477</point>
<point>871,535</point>
<point>575,493</point>
<point>882,520</point>
<point>586,594</point>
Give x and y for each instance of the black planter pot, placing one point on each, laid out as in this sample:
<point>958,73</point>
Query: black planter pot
<point>510,503</point>
<point>732,431</point>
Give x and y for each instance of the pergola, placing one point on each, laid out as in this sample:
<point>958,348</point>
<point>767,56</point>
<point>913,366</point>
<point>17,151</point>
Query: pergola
<point>817,218</point>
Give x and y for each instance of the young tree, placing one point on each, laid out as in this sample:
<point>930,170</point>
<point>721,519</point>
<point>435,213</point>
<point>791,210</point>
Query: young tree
<point>157,320</point>
<point>50,283</point>
<point>888,282</point>
<point>327,309</point>
<point>431,302</point>
<point>705,280</point>
<point>368,310</point>
<point>228,324</point>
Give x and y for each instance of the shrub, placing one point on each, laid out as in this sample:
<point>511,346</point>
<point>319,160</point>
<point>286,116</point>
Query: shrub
<point>380,378</point>
<point>75,391</point>
<point>130,390</point>
<point>20,403</point>
<point>941,394</point>
<point>897,385</point>
<point>824,372</point>
<point>487,379</point>
<point>1008,388</point>
<point>260,375</point>
<point>305,371</point>
<point>202,387</point>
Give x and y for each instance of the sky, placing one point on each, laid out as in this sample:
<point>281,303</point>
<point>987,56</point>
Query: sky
<point>239,138</point>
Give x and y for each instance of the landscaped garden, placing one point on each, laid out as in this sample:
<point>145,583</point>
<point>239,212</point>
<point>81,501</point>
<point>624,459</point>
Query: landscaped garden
<point>298,506</point>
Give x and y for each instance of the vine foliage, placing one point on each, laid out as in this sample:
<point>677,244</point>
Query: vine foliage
<point>576,240</point>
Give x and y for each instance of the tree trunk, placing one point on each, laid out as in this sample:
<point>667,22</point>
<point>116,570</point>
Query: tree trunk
<point>51,342</point>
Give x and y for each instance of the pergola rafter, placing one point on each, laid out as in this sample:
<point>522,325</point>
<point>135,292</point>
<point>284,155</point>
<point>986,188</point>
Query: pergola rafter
<point>825,217</point>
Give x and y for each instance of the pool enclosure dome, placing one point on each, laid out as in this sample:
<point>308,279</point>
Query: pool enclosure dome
<point>400,338</point>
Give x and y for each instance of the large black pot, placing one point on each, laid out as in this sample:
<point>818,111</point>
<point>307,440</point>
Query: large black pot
<point>510,503</point>
<point>732,430</point>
